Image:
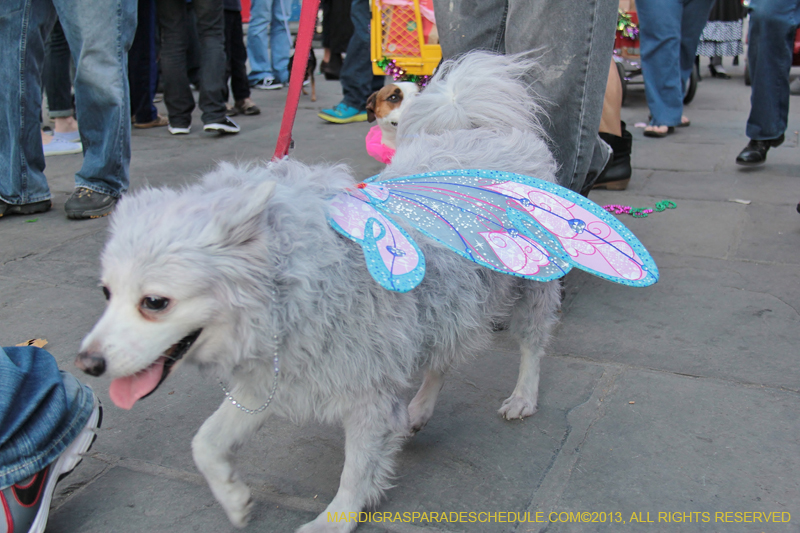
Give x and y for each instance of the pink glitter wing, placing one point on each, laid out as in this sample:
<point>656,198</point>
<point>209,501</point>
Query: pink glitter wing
<point>591,242</point>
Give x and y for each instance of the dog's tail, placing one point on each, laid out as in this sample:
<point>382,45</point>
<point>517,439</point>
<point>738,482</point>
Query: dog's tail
<point>478,90</point>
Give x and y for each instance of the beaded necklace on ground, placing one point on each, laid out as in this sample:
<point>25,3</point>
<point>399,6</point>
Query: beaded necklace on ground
<point>639,212</point>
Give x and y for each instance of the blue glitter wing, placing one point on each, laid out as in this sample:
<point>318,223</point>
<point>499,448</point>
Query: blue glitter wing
<point>393,258</point>
<point>516,224</point>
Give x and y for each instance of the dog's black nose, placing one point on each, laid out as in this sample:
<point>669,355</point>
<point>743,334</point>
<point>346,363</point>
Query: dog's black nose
<point>91,363</point>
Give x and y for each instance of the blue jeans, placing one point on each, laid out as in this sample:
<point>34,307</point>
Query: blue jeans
<point>99,33</point>
<point>669,31</point>
<point>356,76</point>
<point>574,40</point>
<point>42,410</point>
<point>268,40</point>
<point>769,57</point>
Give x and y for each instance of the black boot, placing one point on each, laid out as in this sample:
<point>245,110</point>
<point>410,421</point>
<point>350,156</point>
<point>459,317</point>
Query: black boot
<point>333,67</point>
<point>617,174</point>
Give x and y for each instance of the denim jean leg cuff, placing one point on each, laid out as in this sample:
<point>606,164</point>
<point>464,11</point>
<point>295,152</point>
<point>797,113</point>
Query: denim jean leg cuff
<point>66,113</point>
<point>31,200</point>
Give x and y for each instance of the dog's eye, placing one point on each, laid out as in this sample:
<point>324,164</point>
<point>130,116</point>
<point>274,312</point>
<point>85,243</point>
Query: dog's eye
<point>107,293</point>
<point>154,303</point>
<point>393,98</point>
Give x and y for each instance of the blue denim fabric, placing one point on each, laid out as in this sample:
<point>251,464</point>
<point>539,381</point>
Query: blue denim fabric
<point>99,33</point>
<point>268,41</point>
<point>573,40</point>
<point>669,31</point>
<point>356,76</point>
<point>773,24</point>
<point>42,410</point>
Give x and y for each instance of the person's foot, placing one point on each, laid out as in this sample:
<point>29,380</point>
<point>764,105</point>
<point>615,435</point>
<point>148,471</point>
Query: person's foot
<point>618,171</point>
<point>755,153</point>
<point>246,107</point>
<point>158,122</point>
<point>86,203</point>
<point>685,122</point>
<point>58,146</point>
<point>718,72</point>
<point>223,126</point>
<point>343,114</point>
<point>24,209</point>
<point>179,130</point>
<point>25,506</point>
<point>658,131</point>
<point>267,85</point>
<point>67,136</point>
<point>332,69</point>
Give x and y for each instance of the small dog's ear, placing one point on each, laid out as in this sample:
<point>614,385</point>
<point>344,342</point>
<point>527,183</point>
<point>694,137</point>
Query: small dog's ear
<point>242,222</point>
<point>371,107</point>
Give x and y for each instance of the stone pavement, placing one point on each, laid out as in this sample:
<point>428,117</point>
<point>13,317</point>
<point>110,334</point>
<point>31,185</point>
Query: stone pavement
<point>679,398</point>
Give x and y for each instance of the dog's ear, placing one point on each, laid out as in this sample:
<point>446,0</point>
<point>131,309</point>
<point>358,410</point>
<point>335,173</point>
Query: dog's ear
<point>371,106</point>
<point>241,222</point>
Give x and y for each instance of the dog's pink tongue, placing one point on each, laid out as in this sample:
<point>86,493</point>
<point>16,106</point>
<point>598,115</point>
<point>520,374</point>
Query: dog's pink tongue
<point>125,391</point>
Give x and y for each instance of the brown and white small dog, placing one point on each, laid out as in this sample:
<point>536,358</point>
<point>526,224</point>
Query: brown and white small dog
<point>387,105</point>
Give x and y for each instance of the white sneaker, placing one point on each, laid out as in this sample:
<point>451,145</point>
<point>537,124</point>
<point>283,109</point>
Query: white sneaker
<point>225,125</point>
<point>175,130</point>
<point>268,85</point>
<point>72,136</point>
<point>60,147</point>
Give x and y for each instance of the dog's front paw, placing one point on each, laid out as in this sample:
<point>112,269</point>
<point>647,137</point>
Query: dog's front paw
<point>240,517</point>
<point>323,525</point>
<point>517,407</point>
<point>236,501</point>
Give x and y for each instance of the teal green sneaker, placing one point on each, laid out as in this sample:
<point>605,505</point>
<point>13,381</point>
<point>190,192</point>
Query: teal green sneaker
<point>343,114</point>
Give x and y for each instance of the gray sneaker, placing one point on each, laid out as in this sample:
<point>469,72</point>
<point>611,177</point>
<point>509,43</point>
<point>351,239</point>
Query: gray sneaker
<point>86,203</point>
<point>25,506</point>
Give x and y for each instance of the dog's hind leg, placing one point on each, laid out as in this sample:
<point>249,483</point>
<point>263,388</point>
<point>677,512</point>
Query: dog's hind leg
<point>213,448</point>
<point>532,320</point>
<point>375,428</point>
<point>421,407</point>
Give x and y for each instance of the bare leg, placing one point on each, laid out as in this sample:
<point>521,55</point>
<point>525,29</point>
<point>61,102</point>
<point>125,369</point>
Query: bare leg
<point>534,316</point>
<point>65,124</point>
<point>612,103</point>
<point>374,432</point>
<point>421,407</point>
<point>213,447</point>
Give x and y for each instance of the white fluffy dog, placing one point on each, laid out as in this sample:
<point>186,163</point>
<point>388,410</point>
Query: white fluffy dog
<point>242,274</point>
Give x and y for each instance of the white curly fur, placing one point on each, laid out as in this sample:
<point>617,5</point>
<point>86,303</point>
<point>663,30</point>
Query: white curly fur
<point>248,255</point>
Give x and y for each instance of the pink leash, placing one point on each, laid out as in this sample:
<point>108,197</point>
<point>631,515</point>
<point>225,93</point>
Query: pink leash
<point>305,33</point>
